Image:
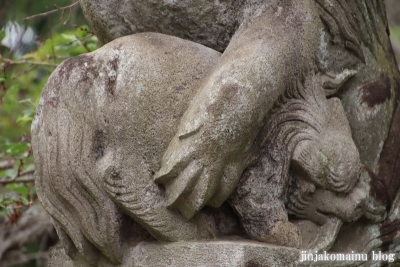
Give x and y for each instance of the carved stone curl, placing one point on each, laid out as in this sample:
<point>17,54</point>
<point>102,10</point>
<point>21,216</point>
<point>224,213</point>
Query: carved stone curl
<point>288,137</point>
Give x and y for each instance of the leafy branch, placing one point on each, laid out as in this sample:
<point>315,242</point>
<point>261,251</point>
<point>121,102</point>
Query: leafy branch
<point>7,164</point>
<point>30,178</point>
<point>8,62</point>
<point>58,9</point>
<point>23,74</point>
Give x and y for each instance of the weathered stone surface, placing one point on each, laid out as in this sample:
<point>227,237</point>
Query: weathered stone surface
<point>238,253</point>
<point>110,115</point>
<point>153,136</point>
<point>183,254</point>
<point>211,23</point>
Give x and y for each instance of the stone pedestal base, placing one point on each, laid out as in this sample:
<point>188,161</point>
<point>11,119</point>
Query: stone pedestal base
<point>237,253</point>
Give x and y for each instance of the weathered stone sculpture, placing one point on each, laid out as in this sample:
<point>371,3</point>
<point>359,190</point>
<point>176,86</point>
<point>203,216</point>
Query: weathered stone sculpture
<point>289,137</point>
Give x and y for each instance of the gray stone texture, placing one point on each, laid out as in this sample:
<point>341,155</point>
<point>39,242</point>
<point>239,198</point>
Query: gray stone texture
<point>206,254</point>
<point>274,121</point>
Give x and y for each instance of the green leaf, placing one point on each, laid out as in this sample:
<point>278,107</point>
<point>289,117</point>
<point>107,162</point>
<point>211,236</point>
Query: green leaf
<point>4,200</point>
<point>27,118</point>
<point>80,32</point>
<point>20,189</point>
<point>10,172</point>
<point>25,201</point>
<point>26,101</point>
<point>2,35</point>
<point>3,141</point>
<point>24,120</point>
<point>5,210</point>
<point>17,149</point>
<point>68,37</point>
<point>92,46</point>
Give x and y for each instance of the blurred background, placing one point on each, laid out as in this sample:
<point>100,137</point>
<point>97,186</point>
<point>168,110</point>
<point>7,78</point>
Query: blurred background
<point>35,36</point>
<point>393,13</point>
<point>30,49</point>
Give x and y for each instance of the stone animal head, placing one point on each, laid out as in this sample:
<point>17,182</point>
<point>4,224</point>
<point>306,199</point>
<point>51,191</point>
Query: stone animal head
<point>98,141</point>
<point>316,136</point>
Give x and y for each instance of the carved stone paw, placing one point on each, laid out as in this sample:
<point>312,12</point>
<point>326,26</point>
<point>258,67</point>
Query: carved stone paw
<point>347,207</point>
<point>193,177</point>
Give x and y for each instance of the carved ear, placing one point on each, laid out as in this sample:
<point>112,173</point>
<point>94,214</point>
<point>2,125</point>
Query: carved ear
<point>332,82</point>
<point>85,217</point>
<point>66,181</point>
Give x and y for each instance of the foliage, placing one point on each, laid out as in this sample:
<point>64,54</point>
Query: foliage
<point>22,78</point>
<point>21,87</point>
<point>45,26</point>
<point>395,38</point>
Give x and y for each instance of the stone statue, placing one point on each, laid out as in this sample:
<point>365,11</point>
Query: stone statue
<point>268,120</point>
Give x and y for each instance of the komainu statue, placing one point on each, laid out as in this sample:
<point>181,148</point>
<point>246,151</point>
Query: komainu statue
<point>199,126</point>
